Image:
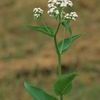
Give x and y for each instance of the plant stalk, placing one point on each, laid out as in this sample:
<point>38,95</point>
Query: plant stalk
<point>61,97</point>
<point>57,51</point>
<point>59,71</point>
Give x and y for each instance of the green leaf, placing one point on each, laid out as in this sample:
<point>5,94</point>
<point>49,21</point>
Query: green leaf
<point>44,29</point>
<point>65,44</point>
<point>36,93</point>
<point>64,84</point>
<point>67,26</point>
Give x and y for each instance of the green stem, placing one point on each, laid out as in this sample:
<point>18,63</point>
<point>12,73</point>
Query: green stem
<point>58,55</point>
<point>57,51</point>
<point>61,97</point>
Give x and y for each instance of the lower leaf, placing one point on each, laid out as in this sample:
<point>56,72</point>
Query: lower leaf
<point>37,93</point>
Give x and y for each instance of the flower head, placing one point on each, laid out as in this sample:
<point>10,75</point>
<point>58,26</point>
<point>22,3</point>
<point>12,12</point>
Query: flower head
<point>37,12</point>
<point>71,16</point>
<point>60,3</point>
<point>57,8</point>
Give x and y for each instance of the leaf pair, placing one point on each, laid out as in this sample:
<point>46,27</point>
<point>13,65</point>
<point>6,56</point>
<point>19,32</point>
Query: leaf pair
<point>44,29</point>
<point>62,86</point>
<point>65,44</point>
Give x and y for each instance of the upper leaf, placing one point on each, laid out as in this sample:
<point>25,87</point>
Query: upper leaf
<point>64,84</point>
<point>44,29</point>
<point>67,26</point>
<point>37,94</point>
<point>65,44</point>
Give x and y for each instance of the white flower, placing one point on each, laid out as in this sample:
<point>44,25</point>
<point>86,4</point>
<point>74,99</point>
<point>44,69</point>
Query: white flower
<point>74,14</point>
<point>70,3</point>
<point>52,1</point>
<point>50,5</point>
<point>71,16</point>
<point>55,6</point>
<point>53,12</point>
<point>37,12</point>
<point>61,3</point>
<point>64,3</point>
<point>57,12</point>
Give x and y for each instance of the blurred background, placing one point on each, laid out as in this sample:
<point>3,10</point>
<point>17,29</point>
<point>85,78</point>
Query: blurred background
<point>27,55</point>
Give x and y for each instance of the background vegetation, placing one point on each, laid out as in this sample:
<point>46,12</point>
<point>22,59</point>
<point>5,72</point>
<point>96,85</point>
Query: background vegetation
<point>28,55</point>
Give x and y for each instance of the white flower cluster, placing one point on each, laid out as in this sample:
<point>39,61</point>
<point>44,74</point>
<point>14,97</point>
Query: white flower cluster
<point>72,15</point>
<point>60,3</point>
<point>37,12</point>
<point>57,10</point>
<point>56,7</point>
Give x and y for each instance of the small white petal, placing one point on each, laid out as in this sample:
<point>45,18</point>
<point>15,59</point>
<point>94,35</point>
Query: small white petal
<point>37,12</point>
